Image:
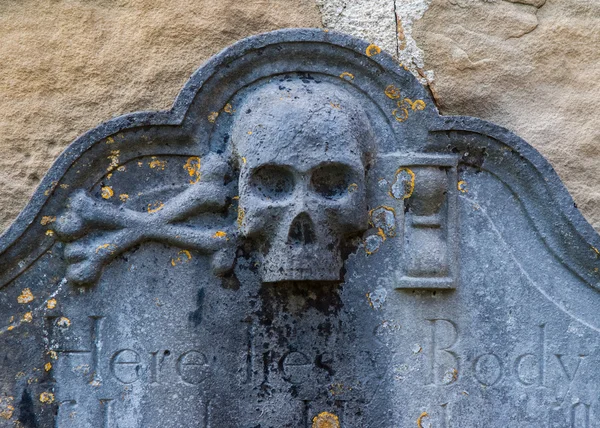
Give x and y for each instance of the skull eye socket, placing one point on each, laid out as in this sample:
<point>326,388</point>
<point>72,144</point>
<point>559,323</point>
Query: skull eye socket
<point>272,182</point>
<point>332,181</point>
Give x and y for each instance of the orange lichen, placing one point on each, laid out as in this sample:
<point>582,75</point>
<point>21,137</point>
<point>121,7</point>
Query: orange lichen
<point>372,50</point>
<point>105,247</point>
<point>228,108</point>
<point>27,317</point>
<point>107,192</point>
<point>180,257</point>
<point>420,419</point>
<point>406,105</point>
<point>347,76</point>
<point>26,296</point>
<point>47,219</point>
<point>123,197</point>
<point>6,407</point>
<point>220,234</point>
<point>392,92</point>
<point>48,367</point>
<point>49,232</point>
<point>240,217</point>
<point>47,397</point>
<point>212,117</point>
<point>407,184</point>
<point>63,322</point>
<point>114,160</point>
<point>156,163</point>
<point>51,304</point>
<point>192,166</point>
<point>415,105</point>
<point>155,207</point>
<point>326,420</point>
<point>462,186</point>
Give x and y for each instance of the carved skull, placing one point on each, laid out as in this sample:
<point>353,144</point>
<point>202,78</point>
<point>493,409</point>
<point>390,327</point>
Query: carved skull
<point>303,147</point>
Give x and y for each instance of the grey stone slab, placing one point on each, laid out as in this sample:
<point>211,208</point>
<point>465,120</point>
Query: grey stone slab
<point>301,241</point>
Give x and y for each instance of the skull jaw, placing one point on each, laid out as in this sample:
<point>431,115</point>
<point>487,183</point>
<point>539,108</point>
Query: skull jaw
<point>301,263</point>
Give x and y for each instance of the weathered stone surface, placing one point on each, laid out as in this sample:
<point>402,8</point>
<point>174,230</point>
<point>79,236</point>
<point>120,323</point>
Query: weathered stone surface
<point>530,65</point>
<point>68,65</point>
<point>301,241</point>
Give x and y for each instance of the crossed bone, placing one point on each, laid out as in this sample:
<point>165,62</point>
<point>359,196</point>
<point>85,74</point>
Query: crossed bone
<point>96,231</point>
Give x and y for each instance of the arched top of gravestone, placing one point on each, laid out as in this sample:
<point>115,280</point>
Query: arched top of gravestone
<point>198,128</point>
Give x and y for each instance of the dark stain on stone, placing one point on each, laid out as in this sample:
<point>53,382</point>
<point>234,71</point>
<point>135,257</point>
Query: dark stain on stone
<point>26,411</point>
<point>196,316</point>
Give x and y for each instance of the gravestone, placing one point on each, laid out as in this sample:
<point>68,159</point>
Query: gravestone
<point>301,241</point>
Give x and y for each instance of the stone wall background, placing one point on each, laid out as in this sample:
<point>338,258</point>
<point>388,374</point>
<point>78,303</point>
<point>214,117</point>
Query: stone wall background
<point>532,66</point>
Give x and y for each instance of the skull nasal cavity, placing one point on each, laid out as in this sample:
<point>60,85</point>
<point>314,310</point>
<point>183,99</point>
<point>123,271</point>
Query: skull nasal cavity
<point>302,230</point>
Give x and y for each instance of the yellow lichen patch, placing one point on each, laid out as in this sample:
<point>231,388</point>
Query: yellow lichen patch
<point>192,166</point>
<point>122,168</point>
<point>49,232</point>
<point>228,108</point>
<point>400,113</point>
<point>123,197</point>
<point>403,185</point>
<point>110,247</point>
<point>347,76</point>
<point>334,105</point>
<point>182,256</point>
<point>11,328</point>
<point>416,104</point>
<point>64,186</point>
<point>249,132</point>
<point>47,219</point>
<point>326,420</point>
<point>353,187</point>
<point>63,322</point>
<point>53,355</point>
<point>48,367</point>
<point>155,207</point>
<point>27,317</point>
<point>6,407</point>
<point>26,296</point>
<point>596,250</point>
<point>107,192</point>
<point>156,163</point>
<point>51,188</point>
<point>47,397</point>
<point>220,234</point>
<point>51,304</point>
<point>110,140</point>
<point>244,160</point>
<point>212,117</point>
<point>462,186</point>
<point>372,50</point>
<point>114,160</point>
<point>368,295</point>
<point>392,92</point>
<point>406,105</point>
<point>420,419</point>
<point>240,216</point>
<point>381,233</point>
